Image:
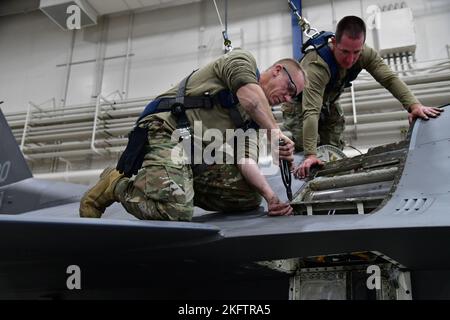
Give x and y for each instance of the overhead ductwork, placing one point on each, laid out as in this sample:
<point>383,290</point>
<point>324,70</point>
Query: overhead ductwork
<point>56,10</point>
<point>75,14</point>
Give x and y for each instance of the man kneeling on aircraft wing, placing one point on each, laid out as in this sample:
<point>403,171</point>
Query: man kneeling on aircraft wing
<point>228,93</point>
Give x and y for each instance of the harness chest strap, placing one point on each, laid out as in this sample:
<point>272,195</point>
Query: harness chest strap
<point>224,98</point>
<point>319,43</point>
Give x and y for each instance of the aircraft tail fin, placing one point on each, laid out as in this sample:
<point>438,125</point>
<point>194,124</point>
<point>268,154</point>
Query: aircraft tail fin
<point>13,166</point>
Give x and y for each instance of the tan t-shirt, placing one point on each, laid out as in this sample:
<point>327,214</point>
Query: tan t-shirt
<point>230,71</point>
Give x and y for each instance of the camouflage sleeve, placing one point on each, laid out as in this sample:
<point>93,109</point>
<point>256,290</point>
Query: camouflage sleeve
<point>374,64</point>
<point>312,100</point>
<point>237,69</point>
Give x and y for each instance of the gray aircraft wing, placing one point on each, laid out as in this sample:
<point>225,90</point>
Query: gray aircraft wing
<point>410,225</point>
<point>39,219</point>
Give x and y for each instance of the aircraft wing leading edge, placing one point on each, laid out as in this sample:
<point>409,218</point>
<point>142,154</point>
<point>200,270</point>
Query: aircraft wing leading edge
<point>402,234</point>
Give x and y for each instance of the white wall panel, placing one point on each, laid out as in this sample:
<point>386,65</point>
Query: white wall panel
<point>112,77</point>
<point>432,34</point>
<point>164,48</point>
<point>30,48</point>
<point>169,43</point>
<point>82,72</point>
<point>81,84</point>
<point>86,40</point>
<point>117,36</point>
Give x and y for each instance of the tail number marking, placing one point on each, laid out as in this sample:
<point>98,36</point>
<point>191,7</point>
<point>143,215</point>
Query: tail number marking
<point>4,170</point>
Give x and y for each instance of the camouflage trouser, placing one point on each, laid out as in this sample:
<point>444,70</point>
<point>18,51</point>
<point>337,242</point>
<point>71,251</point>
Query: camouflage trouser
<point>221,187</point>
<point>331,125</point>
<point>165,189</point>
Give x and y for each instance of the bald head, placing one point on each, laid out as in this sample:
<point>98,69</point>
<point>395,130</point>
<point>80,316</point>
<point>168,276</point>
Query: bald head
<point>283,81</point>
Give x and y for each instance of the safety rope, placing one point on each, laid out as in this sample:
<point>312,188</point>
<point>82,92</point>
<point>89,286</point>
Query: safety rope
<point>218,15</point>
<point>226,40</point>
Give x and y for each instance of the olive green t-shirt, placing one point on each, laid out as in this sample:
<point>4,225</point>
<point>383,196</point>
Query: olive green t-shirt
<point>230,71</point>
<point>318,74</point>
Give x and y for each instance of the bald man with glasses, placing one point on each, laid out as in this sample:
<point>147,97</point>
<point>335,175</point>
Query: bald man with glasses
<point>163,189</point>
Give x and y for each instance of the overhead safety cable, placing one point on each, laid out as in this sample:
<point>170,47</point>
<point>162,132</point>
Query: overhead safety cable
<point>226,40</point>
<point>302,22</point>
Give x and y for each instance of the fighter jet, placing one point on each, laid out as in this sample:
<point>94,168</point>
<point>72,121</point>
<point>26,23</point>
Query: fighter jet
<point>375,226</point>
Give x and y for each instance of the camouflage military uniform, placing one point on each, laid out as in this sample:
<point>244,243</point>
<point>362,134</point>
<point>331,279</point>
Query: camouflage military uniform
<point>318,118</point>
<point>166,188</point>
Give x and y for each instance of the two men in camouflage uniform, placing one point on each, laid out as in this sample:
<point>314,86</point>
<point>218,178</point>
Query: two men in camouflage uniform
<point>317,117</point>
<point>166,188</point>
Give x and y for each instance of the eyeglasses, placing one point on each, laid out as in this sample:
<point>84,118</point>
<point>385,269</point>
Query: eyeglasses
<point>292,87</point>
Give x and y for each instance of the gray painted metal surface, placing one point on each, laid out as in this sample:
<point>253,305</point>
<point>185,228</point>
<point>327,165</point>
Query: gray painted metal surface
<point>410,228</point>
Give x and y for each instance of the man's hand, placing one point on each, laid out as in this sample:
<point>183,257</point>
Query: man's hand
<point>418,110</point>
<point>278,208</point>
<point>302,171</point>
<point>286,151</point>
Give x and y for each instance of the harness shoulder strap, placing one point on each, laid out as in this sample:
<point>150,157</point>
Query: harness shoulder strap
<point>181,92</point>
<point>178,109</point>
<point>327,55</point>
<point>352,74</point>
<point>229,101</point>
<point>319,43</point>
